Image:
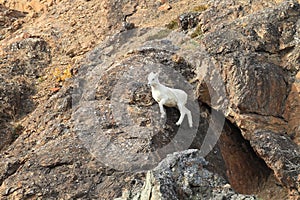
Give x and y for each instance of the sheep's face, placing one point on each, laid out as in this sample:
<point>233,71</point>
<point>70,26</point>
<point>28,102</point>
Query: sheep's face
<point>152,79</point>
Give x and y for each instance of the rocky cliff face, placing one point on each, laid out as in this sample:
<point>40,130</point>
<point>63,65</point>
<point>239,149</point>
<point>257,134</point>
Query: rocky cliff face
<point>77,117</point>
<point>259,60</point>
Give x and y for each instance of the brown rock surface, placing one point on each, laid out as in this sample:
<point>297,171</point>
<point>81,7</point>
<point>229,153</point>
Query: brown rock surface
<point>10,21</point>
<point>23,64</point>
<point>292,110</point>
<point>193,181</point>
<point>282,156</point>
<point>78,121</point>
<point>258,58</point>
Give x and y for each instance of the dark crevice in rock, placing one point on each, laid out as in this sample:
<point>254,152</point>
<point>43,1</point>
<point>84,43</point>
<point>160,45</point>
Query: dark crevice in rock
<point>262,115</point>
<point>10,169</point>
<point>215,160</point>
<point>235,160</point>
<point>264,51</point>
<point>58,164</point>
<point>246,171</point>
<point>286,51</point>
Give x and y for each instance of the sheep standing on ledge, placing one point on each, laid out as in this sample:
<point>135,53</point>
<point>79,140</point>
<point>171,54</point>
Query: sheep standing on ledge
<point>169,97</point>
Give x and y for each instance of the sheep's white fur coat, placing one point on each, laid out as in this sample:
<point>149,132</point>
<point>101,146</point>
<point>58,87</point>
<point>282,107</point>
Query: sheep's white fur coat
<point>169,97</point>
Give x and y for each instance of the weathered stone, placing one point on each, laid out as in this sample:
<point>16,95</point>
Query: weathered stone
<point>164,7</point>
<point>184,176</point>
<point>282,156</point>
<point>23,62</point>
<point>292,110</point>
<point>257,56</point>
<point>188,20</point>
<point>10,21</point>
<point>10,100</point>
<point>29,57</point>
<point>28,6</point>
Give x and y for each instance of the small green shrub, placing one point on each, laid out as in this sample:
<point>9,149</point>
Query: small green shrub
<point>198,32</point>
<point>200,8</point>
<point>17,130</point>
<point>172,25</point>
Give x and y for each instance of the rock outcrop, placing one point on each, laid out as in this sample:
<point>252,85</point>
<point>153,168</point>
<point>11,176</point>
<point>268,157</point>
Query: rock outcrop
<point>281,155</point>
<point>10,21</point>
<point>258,56</point>
<point>184,176</point>
<point>23,64</point>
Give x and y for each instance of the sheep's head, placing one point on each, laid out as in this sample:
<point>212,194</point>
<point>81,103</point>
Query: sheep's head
<point>153,79</point>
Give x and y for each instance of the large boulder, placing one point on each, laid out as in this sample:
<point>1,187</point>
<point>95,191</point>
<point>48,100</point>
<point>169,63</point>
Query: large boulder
<point>258,58</point>
<point>252,54</point>
<point>281,155</point>
<point>184,175</point>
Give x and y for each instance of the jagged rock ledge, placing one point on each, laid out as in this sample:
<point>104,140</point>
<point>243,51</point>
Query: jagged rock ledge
<point>183,175</point>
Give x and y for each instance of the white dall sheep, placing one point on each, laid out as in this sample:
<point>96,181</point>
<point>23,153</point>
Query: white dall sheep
<point>169,97</point>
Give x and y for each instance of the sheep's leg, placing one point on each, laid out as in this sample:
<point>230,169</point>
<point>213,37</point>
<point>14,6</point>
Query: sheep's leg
<point>189,115</point>
<point>161,107</point>
<point>182,114</point>
<point>184,111</point>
